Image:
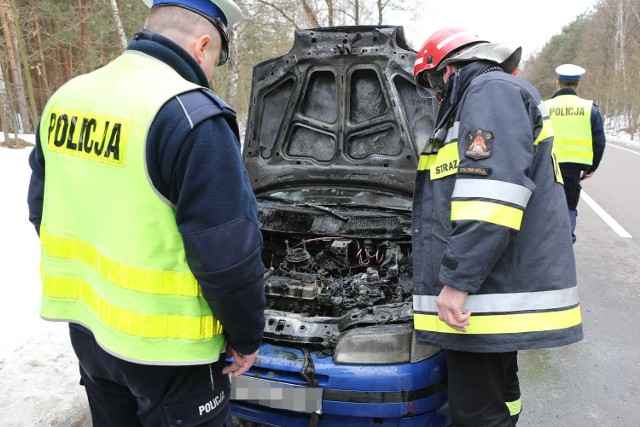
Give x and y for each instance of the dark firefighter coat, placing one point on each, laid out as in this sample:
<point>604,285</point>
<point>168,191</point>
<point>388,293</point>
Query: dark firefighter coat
<point>489,218</point>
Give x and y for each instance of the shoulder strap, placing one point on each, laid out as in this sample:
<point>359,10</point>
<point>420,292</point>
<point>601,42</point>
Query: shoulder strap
<point>200,105</point>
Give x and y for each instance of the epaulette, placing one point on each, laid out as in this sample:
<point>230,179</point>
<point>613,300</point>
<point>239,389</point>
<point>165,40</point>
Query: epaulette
<point>200,105</point>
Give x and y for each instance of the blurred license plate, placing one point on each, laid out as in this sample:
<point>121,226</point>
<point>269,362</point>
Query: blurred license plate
<point>277,395</point>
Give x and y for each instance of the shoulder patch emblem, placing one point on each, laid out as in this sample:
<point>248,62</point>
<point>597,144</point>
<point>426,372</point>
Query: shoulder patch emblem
<point>480,144</point>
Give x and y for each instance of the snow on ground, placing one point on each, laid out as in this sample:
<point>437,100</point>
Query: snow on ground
<point>623,139</point>
<point>38,369</point>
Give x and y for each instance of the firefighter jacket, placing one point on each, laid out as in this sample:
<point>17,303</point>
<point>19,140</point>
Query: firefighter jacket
<point>489,218</point>
<point>579,139</point>
<point>113,258</point>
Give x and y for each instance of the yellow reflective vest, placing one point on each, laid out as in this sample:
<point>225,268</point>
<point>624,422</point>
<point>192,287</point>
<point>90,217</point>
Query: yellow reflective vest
<point>571,119</point>
<point>113,259</point>
<point>489,218</point>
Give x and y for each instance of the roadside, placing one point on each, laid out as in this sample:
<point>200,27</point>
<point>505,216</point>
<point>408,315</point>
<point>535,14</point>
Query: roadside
<point>624,140</point>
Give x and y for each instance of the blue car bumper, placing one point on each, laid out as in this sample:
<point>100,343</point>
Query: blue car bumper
<point>282,390</point>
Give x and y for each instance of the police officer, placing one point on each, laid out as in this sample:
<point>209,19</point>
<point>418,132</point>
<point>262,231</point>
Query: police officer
<point>150,244</point>
<point>493,263</point>
<point>579,135</point>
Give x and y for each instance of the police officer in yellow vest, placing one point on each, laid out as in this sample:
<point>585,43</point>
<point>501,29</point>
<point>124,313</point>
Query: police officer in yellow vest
<point>579,135</point>
<point>151,248</point>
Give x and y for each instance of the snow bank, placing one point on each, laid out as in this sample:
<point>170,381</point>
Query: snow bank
<point>38,369</point>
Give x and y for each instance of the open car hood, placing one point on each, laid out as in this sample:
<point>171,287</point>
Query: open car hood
<point>340,109</point>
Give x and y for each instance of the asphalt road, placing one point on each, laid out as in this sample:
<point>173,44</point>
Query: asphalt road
<point>596,383</point>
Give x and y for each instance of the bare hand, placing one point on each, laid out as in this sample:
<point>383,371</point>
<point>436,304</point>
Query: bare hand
<point>450,304</point>
<point>586,175</point>
<point>241,362</point>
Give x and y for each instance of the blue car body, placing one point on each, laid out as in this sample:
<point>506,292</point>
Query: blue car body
<point>409,394</point>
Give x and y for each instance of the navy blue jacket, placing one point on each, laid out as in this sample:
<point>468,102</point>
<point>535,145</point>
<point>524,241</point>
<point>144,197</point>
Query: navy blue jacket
<point>194,161</point>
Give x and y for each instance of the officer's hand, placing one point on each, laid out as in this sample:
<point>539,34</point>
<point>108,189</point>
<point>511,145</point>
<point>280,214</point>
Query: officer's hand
<point>586,175</point>
<point>241,362</point>
<point>450,304</point>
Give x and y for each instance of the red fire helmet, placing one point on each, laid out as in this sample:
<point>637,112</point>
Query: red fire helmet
<point>439,45</point>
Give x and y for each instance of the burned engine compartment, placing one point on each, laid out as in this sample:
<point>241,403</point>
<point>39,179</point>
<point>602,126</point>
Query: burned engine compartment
<point>331,148</point>
<point>330,276</point>
<point>334,264</point>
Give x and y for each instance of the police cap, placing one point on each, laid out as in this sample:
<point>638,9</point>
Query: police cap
<point>223,14</point>
<point>569,72</point>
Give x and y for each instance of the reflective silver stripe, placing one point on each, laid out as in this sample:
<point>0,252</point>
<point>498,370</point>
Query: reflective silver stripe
<point>452,132</point>
<point>276,394</point>
<point>430,148</point>
<point>492,189</point>
<point>505,303</point>
<point>452,37</point>
<point>186,113</point>
<point>542,107</point>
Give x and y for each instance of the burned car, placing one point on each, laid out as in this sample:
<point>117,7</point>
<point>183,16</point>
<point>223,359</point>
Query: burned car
<point>331,148</point>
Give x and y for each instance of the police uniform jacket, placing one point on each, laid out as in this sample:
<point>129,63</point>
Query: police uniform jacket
<point>489,218</point>
<point>193,162</point>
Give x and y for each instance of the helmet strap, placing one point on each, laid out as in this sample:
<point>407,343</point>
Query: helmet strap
<point>436,81</point>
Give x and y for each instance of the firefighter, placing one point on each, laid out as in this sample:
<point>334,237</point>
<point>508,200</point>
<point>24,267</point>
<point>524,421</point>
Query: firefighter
<point>493,263</point>
<point>151,248</point>
<point>579,139</point>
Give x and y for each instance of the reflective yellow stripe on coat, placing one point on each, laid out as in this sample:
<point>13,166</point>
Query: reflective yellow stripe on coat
<point>505,313</point>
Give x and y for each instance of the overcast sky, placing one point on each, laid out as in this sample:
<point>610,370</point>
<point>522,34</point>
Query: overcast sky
<point>529,24</point>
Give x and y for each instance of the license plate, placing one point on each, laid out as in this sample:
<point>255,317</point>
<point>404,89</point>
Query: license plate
<point>277,395</point>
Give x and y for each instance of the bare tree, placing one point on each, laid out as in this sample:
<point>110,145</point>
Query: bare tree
<point>620,39</point>
<point>381,4</point>
<point>330,12</point>
<point>11,43</point>
<point>118,21</point>
<point>356,14</point>
<point>40,66</point>
<point>283,12</point>
<point>26,70</point>
<point>311,13</point>
<point>3,117</point>
<point>234,64</point>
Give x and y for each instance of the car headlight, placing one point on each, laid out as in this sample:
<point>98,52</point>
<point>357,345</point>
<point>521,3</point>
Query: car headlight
<point>381,344</point>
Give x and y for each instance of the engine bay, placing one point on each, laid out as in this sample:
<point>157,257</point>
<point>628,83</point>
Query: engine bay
<point>331,276</point>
